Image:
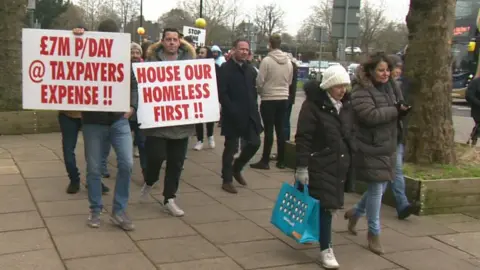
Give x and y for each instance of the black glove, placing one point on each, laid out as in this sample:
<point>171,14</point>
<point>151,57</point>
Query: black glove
<point>402,113</point>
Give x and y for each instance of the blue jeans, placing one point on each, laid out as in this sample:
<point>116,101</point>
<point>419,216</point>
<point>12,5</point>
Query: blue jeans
<point>139,141</point>
<point>370,205</point>
<point>70,128</point>
<point>398,185</point>
<point>96,136</point>
<point>105,153</point>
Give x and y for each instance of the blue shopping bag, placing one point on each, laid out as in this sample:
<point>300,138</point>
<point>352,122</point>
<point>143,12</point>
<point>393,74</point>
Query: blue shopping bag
<point>297,214</point>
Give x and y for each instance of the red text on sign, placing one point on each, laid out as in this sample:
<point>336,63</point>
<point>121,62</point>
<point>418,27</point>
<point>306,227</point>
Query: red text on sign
<point>80,71</point>
<point>69,94</point>
<point>171,112</point>
<point>172,73</point>
<point>158,74</point>
<point>93,47</point>
<point>52,45</point>
<point>175,92</point>
<point>198,72</point>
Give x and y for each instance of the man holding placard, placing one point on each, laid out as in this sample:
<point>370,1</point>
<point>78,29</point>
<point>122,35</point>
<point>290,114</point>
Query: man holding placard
<point>99,129</point>
<point>170,142</point>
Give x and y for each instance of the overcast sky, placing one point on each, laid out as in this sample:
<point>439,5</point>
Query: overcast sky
<point>295,11</point>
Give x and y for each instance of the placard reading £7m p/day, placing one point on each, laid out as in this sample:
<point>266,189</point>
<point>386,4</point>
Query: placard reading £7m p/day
<point>176,93</point>
<point>62,71</point>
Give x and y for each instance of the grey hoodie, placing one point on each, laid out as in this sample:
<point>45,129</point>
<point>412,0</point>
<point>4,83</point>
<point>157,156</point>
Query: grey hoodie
<point>275,76</point>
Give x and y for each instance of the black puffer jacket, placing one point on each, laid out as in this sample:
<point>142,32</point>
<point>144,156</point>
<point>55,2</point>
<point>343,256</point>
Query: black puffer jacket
<point>324,144</point>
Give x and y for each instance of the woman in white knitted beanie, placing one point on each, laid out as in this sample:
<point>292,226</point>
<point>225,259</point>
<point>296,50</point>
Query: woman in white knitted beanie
<point>324,147</point>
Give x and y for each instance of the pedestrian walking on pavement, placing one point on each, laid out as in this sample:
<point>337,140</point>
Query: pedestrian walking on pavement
<point>240,117</point>
<point>324,147</point>
<point>403,206</point>
<point>473,99</point>
<point>70,123</point>
<point>273,85</point>
<point>205,53</point>
<point>167,143</point>
<point>377,107</point>
<point>100,128</point>
<point>136,53</point>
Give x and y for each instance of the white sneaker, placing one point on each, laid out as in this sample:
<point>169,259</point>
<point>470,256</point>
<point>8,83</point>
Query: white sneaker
<point>136,153</point>
<point>198,146</point>
<point>328,259</point>
<point>145,192</point>
<point>173,208</point>
<point>211,142</point>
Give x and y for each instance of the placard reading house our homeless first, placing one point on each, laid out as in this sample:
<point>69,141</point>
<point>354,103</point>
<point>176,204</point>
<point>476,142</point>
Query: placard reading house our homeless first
<point>63,71</point>
<point>176,93</point>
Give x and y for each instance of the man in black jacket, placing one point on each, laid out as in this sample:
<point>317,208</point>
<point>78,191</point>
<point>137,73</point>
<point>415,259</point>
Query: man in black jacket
<point>240,116</point>
<point>100,128</point>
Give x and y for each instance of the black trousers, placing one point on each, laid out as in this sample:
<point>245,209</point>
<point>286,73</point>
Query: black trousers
<point>273,115</point>
<point>199,130</point>
<point>173,151</point>
<point>250,144</point>
<point>325,229</point>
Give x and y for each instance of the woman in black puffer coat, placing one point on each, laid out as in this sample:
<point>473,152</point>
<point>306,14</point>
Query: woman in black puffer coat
<point>324,147</point>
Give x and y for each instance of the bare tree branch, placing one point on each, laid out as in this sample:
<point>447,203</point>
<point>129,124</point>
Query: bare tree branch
<point>90,12</point>
<point>269,19</point>
<point>127,9</point>
<point>372,21</point>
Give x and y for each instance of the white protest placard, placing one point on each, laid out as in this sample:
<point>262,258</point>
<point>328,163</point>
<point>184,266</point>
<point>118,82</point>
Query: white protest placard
<point>198,35</point>
<point>63,71</point>
<point>174,93</point>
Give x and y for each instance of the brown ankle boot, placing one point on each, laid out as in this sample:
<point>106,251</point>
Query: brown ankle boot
<point>230,188</point>
<point>352,221</point>
<point>374,243</point>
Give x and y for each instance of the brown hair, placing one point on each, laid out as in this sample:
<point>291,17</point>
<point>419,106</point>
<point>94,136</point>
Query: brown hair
<point>108,25</point>
<point>370,65</point>
<point>275,41</point>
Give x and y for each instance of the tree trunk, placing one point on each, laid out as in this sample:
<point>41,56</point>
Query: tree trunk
<point>12,16</point>
<point>430,136</point>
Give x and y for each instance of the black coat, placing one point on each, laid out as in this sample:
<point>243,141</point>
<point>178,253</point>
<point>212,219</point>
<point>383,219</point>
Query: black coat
<point>324,144</point>
<point>473,98</point>
<point>238,97</point>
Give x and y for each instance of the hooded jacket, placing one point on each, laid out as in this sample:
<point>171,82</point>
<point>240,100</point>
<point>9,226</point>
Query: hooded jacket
<point>275,76</point>
<point>220,59</point>
<point>325,144</point>
<point>155,53</point>
<point>376,118</point>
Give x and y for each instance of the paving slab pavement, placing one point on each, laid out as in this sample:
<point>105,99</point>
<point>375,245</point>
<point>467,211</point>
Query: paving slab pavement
<point>42,227</point>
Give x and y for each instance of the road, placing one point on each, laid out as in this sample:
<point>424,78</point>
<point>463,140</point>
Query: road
<point>462,122</point>
<point>459,107</point>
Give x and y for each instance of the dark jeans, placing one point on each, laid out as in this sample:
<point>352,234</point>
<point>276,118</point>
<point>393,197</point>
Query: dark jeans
<point>139,141</point>
<point>250,144</point>
<point>70,128</point>
<point>325,228</point>
<point>273,116</point>
<point>286,126</point>
<point>199,129</point>
<point>173,151</point>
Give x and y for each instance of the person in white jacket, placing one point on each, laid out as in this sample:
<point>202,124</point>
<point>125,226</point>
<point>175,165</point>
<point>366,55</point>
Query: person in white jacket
<point>273,81</point>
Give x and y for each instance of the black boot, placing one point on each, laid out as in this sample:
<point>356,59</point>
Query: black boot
<point>73,187</point>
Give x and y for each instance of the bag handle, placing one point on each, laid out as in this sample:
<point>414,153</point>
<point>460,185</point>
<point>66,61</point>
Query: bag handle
<point>305,187</point>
